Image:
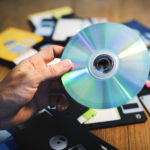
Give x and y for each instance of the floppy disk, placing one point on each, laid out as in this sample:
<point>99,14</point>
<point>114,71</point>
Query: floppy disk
<point>145,99</point>
<point>44,22</point>
<point>4,134</point>
<point>14,41</point>
<point>141,29</point>
<point>9,144</point>
<point>66,28</point>
<point>56,133</point>
<point>129,113</point>
<point>144,95</point>
<point>46,27</point>
<point>36,18</point>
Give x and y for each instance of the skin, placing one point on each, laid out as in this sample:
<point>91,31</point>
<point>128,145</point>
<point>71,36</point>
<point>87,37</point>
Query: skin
<point>26,89</point>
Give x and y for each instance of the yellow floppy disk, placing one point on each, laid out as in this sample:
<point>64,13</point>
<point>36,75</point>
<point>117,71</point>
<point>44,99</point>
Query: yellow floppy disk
<point>14,41</point>
<point>57,13</point>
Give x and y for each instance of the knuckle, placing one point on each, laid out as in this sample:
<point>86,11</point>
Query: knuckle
<point>52,70</point>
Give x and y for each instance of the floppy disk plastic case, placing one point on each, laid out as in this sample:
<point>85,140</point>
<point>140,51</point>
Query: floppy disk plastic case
<point>66,28</point>
<point>43,23</point>
<point>14,42</point>
<point>129,113</point>
<point>56,133</point>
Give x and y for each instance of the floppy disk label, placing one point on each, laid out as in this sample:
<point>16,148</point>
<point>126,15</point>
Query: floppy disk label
<point>69,27</point>
<point>132,112</point>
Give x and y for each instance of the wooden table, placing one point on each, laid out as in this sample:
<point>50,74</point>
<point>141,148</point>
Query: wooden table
<point>14,13</point>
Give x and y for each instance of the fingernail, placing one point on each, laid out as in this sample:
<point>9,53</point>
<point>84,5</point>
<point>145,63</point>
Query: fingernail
<point>66,63</point>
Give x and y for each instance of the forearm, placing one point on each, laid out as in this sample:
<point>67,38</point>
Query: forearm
<point>18,89</point>
<point>21,116</point>
<point>8,106</point>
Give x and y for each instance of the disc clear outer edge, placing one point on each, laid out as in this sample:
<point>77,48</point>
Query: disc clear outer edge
<point>128,80</point>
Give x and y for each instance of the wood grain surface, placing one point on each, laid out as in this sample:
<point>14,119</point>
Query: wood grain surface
<point>14,13</point>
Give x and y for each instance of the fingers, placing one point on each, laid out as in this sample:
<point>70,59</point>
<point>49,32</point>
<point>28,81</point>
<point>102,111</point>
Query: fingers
<point>57,50</point>
<point>55,70</point>
<point>48,54</point>
<point>43,57</point>
<point>59,68</point>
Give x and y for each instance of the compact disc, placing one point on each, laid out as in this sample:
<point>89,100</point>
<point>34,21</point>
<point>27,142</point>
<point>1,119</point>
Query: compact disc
<point>110,65</point>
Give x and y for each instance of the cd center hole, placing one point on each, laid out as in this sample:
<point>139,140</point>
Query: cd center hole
<point>103,63</point>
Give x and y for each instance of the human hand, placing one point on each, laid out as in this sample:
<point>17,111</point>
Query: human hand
<point>26,88</point>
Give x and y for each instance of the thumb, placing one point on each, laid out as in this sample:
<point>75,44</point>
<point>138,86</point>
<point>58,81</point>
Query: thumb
<point>58,69</point>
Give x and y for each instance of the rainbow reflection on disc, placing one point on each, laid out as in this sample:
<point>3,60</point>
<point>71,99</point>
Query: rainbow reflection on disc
<point>110,65</point>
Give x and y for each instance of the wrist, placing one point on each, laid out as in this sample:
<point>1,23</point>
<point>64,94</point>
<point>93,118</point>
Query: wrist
<point>8,107</point>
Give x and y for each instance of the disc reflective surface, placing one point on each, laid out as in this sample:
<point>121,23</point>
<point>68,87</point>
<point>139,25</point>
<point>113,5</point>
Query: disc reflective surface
<point>110,65</point>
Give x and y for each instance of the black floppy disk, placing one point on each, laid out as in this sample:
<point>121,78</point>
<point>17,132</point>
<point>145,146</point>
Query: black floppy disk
<point>57,133</point>
<point>129,113</point>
